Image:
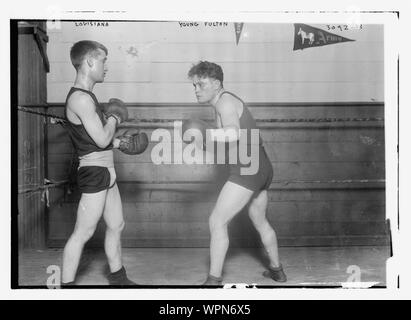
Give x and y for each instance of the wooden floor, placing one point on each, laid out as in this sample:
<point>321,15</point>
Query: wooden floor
<point>304,266</point>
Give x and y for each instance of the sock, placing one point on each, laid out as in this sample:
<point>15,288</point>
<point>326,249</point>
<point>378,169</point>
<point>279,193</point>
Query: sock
<point>280,267</point>
<point>215,278</point>
<point>119,278</point>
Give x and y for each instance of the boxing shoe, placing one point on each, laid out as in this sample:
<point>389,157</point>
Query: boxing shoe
<point>68,285</point>
<point>119,278</point>
<point>277,274</point>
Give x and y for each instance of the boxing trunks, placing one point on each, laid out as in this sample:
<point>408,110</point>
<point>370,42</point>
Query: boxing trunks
<point>96,166</point>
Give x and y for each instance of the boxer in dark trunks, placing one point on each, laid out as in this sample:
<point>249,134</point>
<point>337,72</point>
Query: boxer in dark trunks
<point>239,189</point>
<point>92,135</point>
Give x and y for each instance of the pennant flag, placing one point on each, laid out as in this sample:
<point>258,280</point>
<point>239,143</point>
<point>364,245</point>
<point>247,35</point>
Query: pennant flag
<point>238,27</point>
<point>306,36</point>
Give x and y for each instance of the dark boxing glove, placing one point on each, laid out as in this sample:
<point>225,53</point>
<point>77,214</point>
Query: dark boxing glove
<point>199,125</point>
<point>132,142</point>
<point>117,109</point>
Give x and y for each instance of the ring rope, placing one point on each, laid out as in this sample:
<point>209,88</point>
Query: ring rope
<point>56,118</point>
<point>48,184</point>
<point>292,120</point>
<point>45,196</point>
<point>274,181</point>
<point>332,181</point>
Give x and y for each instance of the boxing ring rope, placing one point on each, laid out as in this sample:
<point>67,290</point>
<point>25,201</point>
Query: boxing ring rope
<point>44,114</point>
<point>263,123</point>
<point>290,120</point>
<point>167,123</point>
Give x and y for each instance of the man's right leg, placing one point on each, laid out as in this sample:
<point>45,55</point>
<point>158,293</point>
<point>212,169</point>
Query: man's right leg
<point>257,212</point>
<point>89,212</point>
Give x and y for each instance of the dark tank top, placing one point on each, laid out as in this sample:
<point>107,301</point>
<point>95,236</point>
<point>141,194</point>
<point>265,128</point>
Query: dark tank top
<point>81,140</point>
<point>246,120</point>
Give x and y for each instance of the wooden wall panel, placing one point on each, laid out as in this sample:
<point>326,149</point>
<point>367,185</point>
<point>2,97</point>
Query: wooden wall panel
<point>153,32</point>
<point>258,72</point>
<point>253,53</point>
<point>149,61</point>
<point>168,205</point>
<point>160,92</point>
<point>276,151</point>
<point>32,89</point>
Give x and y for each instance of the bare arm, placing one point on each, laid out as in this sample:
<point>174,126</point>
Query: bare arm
<point>230,121</point>
<point>83,106</point>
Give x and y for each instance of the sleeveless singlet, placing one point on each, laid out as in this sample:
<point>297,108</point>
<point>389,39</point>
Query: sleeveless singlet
<point>261,179</point>
<point>82,141</point>
<point>246,120</point>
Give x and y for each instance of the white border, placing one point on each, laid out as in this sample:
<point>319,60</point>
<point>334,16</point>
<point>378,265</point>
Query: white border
<point>396,37</point>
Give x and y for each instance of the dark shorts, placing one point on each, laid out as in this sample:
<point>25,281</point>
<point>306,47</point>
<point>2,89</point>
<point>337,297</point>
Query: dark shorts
<point>93,179</point>
<point>258,181</point>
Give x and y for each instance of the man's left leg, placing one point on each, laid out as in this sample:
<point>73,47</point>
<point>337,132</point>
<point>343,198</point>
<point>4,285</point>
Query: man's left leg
<point>113,216</point>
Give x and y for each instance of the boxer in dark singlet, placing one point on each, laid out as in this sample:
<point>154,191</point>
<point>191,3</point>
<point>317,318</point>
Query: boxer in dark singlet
<point>92,136</point>
<point>90,178</point>
<point>261,180</point>
<point>239,189</point>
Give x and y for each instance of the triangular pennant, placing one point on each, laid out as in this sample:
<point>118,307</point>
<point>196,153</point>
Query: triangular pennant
<point>238,27</point>
<point>306,36</point>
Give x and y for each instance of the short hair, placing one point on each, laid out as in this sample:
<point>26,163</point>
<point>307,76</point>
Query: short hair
<point>82,48</point>
<point>206,69</point>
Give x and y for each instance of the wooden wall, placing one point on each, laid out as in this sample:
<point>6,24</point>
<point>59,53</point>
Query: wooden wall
<point>149,61</point>
<point>32,89</point>
<point>168,205</point>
